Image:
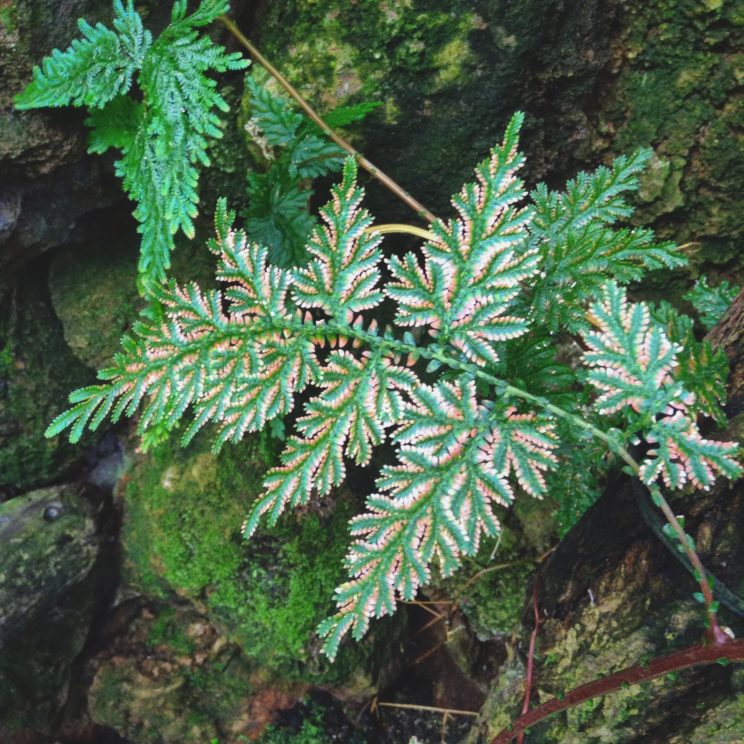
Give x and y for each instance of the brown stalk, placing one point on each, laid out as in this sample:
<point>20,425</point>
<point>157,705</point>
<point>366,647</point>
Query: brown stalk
<point>430,708</point>
<point>530,660</point>
<point>684,659</point>
<point>372,169</point>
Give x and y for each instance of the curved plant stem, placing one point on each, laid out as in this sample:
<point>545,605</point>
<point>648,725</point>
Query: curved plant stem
<point>405,229</point>
<point>714,631</point>
<point>689,657</point>
<point>528,683</point>
<point>372,169</point>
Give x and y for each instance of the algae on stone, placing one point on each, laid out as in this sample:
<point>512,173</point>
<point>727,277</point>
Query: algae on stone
<point>94,294</point>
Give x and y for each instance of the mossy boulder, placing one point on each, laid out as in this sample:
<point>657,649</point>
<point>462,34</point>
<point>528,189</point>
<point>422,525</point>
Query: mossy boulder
<point>449,75</point>
<point>181,534</point>
<point>49,544</point>
<point>50,591</point>
<point>596,80</point>
<point>37,373</point>
<point>675,86</point>
<point>169,677</point>
<point>611,597</point>
<point>94,294</point>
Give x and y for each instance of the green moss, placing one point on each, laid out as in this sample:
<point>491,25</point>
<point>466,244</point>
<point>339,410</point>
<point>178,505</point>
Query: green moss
<point>184,508</point>
<point>432,67</point>
<point>678,93</point>
<point>37,372</point>
<point>8,16</point>
<point>492,591</point>
<point>313,721</point>
<point>167,631</point>
<point>94,294</point>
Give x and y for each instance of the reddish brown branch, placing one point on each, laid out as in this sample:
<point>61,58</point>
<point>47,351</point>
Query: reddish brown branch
<point>530,660</point>
<point>689,657</point>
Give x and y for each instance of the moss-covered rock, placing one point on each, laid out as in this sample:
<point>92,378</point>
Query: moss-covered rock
<point>611,597</point>
<point>449,75</point>
<point>677,73</point>
<point>37,372</point>
<point>595,79</point>
<point>49,544</point>
<point>181,533</point>
<point>94,294</point>
<point>50,590</point>
<point>171,678</point>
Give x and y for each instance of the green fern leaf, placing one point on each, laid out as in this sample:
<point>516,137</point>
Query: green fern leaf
<point>163,139</point>
<point>341,278</point>
<point>703,370</point>
<point>278,217</point>
<point>315,156</point>
<point>711,302</point>
<point>274,118</point>
<point>632,363</point>
<point>471,273</point>
<point>455,460</point>
<point>342,116</point>
<point>114,125</point>
<point>93,70</point>
<point>578,249</point>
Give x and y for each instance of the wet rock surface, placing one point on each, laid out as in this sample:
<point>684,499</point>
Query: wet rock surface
<point>49,544</point>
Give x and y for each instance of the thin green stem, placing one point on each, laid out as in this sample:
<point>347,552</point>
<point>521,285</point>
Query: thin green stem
<point>717,636</point>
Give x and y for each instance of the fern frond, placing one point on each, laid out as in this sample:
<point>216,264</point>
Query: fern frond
<point>634,365</point>
<point>630,358</point>
<point>114,125</point>
<point>94,69</point>
<point>295,152</point>
<point>342,277</point>
<point>680,454</point>
<point>455,460</point>
<point>278,217</point>
<point>163,139</point>
<point>532,362</point>
<point>239,357</point>
<point>315,156</point>
<point>205,13</point>
<point>237,368</point>
<point>470,275</point>
<point>161,172</point>
<point>274,118</point>
<point>359,399</point>
<point>342,116</point>
<point>703,370</point>
<point>579,249</point>
<point>711,302</point>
